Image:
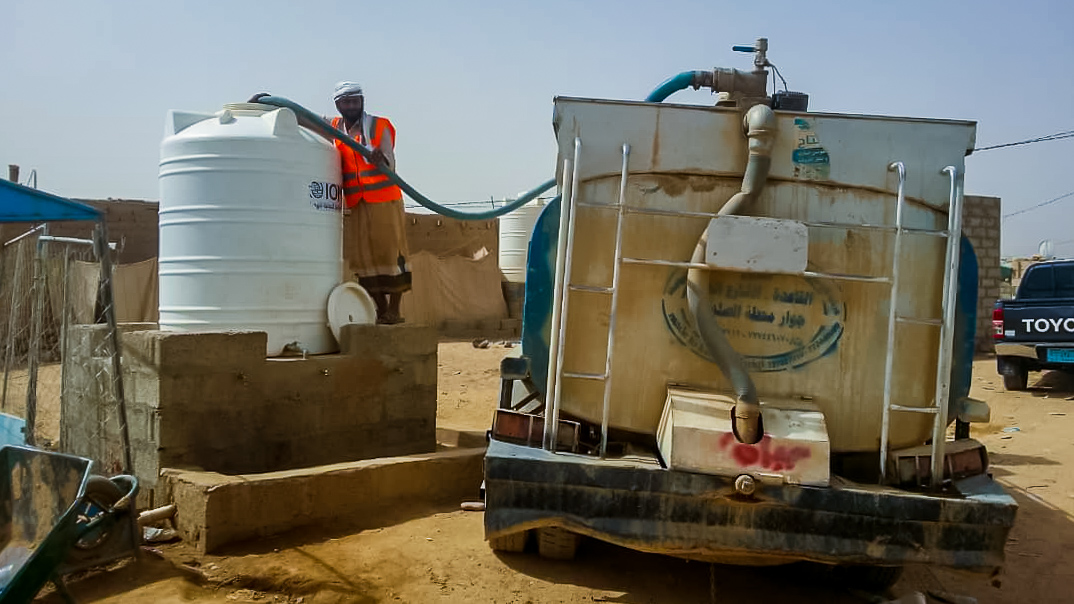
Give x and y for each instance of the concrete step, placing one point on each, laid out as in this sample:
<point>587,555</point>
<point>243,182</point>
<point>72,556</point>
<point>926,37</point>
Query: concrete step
<point>214,510</point>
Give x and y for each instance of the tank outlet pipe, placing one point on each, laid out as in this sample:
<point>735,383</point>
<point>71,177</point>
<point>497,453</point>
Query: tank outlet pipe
<point>314,122</point>
<point>759,124</point>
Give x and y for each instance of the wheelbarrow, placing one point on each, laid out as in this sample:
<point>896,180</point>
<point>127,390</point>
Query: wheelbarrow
<point>56,518</point>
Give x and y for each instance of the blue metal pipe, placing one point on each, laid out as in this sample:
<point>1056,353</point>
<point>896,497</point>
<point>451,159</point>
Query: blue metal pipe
<point>314,122</point>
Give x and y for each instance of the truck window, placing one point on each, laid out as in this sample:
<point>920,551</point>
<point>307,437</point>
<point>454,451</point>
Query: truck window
<point>1038,283</point>
<point>1064,280</point>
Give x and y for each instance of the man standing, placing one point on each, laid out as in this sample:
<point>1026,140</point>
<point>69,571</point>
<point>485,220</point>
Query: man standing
<point>374,222</point>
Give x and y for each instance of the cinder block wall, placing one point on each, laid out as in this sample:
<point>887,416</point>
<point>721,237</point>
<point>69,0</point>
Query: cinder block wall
<point>213,401</point>
<point>981,224</point>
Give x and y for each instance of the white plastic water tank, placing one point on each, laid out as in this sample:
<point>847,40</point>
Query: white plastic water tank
<point>516,228</point>
<point>250,235</point>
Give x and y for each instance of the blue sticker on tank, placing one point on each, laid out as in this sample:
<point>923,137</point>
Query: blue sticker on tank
<point>816,155</point>
<point>811,160</point>
<point>775,322</point>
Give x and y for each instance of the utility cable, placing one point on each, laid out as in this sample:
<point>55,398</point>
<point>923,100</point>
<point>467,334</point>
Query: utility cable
<point>1039,205</point>
<point>1040,139</point>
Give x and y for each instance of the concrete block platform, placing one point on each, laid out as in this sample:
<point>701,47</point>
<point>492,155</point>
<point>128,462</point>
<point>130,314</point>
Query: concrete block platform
<point>214,510</point>
<point>211,401</point>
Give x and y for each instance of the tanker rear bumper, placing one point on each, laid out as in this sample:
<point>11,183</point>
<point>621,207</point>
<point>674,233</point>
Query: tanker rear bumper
<point>639,505</point>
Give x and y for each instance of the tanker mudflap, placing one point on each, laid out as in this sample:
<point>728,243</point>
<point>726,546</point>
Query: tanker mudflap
<point>696,434</point>
<point>636,503</point>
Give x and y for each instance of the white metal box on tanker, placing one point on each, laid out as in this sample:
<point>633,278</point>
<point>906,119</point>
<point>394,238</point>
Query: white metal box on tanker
<point>818,340</point>
<point>250,226</point>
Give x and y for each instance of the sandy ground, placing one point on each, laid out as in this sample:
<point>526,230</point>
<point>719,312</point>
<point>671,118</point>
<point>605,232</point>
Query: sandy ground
<point>48,397</point>
<point>439,555</point>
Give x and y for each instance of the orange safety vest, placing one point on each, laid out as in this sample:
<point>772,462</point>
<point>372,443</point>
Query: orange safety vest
<point>363,181</point>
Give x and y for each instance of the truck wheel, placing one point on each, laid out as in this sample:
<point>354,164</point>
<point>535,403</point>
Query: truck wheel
<point>556,543</point>
<point>513,543</point>
<point>869,578</point>
<point>1018,381</point>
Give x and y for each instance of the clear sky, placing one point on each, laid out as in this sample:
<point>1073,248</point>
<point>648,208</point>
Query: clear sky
<point>469,84</point>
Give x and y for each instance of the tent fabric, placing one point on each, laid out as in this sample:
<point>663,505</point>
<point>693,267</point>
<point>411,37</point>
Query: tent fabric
<point>83,279</point>
<point>135,291</point>
<point>23,204</point>
<point>453,288</point>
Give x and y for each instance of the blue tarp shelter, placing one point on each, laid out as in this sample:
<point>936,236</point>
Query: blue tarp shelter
<point>23,204</point>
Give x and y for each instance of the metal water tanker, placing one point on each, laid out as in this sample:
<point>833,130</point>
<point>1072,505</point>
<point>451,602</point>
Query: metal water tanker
<point>250,235</point>
<point>746,330</point>
<point>818,335</point>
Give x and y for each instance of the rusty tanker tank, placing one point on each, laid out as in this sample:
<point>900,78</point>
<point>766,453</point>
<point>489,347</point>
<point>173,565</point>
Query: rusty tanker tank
<point>820,335</point>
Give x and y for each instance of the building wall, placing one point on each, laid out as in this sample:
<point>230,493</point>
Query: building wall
<point>134,226</point>
<point>131,224</point>
<point>981,224</point>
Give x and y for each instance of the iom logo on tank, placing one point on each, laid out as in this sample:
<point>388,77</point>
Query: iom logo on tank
<point>325,195</point>
<point>776,322</point>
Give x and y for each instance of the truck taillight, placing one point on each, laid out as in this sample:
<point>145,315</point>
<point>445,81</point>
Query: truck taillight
<point>997,323</point>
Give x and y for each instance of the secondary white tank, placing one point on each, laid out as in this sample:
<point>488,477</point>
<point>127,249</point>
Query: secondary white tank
<point>250,235</point>
<point>515,231</point>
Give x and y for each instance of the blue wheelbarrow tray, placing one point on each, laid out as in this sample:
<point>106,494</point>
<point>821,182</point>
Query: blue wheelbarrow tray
<point>44,513</point>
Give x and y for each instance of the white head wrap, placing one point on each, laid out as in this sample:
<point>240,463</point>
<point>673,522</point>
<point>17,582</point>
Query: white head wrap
<point>347,89</point>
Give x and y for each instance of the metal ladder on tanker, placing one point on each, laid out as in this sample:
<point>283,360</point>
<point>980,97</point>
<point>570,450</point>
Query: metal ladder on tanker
<point>939,408</point>
<point>563,287</point>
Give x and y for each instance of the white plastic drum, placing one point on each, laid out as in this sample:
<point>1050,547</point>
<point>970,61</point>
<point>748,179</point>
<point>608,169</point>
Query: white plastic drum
<point>515,231</point>
<point>249,226</point>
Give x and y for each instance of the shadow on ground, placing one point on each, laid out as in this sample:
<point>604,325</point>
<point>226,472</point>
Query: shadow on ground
<point>634,577</point>
<point>307,535</point>
<point>1053,384</point>
<point>1012,459</point>
<point>121,578</point>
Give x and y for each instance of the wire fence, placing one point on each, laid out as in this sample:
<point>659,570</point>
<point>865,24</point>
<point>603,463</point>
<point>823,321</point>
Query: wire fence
<point>58,346</point>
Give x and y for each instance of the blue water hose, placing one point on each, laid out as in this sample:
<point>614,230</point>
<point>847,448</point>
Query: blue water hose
<point>672,85</point>
<point>314,122</point>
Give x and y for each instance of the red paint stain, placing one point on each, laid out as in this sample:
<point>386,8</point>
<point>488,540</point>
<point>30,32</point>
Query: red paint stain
<point>745,455</point>
<point>762,454</point>
<point>725,439</point>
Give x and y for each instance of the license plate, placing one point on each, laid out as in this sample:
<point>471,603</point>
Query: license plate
<point>1061,355</point>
